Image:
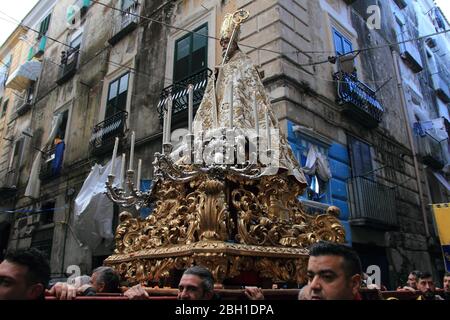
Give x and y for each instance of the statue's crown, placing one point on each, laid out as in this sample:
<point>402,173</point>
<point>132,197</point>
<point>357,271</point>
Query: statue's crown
<point>231,22</point>
<point>228,26</point>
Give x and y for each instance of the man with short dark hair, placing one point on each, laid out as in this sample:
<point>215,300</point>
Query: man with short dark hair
<point>426,286</point>
<point>411,283</point>
<point>197,283</point>
<point>446,283</point>
<point>24,275</point>
<point>334,272</point>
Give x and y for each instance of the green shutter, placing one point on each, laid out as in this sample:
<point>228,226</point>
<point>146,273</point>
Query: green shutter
<point>191,53</point>
<point>30,54</point>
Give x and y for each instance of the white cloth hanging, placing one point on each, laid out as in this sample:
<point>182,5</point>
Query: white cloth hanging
<point>317,164</point>
<point>94,212</point>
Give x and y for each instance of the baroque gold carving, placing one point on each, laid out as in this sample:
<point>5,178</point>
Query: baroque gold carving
<point>229,225</point>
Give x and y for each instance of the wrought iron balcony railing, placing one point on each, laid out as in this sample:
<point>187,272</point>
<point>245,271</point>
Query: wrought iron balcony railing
<point>179,92</point>
<point>69,64</point>
<point>104,133</point>
<point>431,151</point>
<point>125,22</point>
<point>373,204</point>
<point>359,100</point>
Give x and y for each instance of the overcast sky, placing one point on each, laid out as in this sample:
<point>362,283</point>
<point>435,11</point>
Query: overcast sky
<point>18,9</point>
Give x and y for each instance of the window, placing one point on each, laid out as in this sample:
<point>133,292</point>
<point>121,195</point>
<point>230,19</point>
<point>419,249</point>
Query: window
<point>47,212</point>
<point>5,108</point>
<point>117,96</point>
<point>30,93</point>
<point>42,240</point>
<point>341,43</point>
<point>69,58</point>
<point>61,132</point>
<point>43,28</point>
<point>15,160</point>
<point>53,158</point>
<point>191,53</point>
<point>76,41</point>
<point>360,157</point>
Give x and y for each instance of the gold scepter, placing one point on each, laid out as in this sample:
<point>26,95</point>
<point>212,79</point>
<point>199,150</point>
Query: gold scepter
<point>238,17</point>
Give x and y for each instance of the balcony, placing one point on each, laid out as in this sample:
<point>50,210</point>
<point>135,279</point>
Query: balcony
<point>38,49</point>
<point>179,93</point>
<point>51,164</point>
<point>125,23</point>
<point>411,55</point>
<point>69,64</point>
<point>8,188</point>
<point>441,88</point>
<point>430,151</point>
<point>24,76</point>
<point>104,133</point>
<point>373,204</point>
<point>359,101</point>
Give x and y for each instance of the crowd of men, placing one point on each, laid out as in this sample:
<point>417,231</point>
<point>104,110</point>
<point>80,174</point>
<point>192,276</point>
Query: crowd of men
<point>334,273</point>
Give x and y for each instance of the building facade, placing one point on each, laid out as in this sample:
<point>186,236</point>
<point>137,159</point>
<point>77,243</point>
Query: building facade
<point>360,84</point>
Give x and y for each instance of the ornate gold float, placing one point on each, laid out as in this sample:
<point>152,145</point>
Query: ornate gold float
<point>229,216</point>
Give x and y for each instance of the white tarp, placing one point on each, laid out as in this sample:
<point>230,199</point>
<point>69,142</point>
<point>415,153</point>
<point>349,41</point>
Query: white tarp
<point>93,210</point>
<point>34,183</point>
<point>317,163</point>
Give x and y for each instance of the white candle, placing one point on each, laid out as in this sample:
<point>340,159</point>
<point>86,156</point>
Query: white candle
<point>138,181</point>
<point>214,111</point>
<point>269,142</point>
<point>255,110</point>
<point>164,138</point>
<point>169,119</point>
<point>132,150</point>
<point>231,103</point>
<point>114,155</point>
<point>190,107</point>
<point>122,170</point>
